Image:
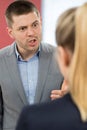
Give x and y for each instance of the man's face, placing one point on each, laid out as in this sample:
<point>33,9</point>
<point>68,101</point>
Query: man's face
<point>26,30</point>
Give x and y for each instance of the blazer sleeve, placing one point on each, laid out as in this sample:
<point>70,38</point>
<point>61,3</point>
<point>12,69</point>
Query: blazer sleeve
<point>1,110</point>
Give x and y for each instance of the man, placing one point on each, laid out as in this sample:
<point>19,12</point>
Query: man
<point>70,111</point>
<point>28,70</point>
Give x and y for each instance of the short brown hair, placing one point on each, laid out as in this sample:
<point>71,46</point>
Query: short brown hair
<point>18,8</point>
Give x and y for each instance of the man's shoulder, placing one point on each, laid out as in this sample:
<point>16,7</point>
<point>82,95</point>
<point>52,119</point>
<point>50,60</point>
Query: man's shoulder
<point>47,47</point>
<point>5,51</point>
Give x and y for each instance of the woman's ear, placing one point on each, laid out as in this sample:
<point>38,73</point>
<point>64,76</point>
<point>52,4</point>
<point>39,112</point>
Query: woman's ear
<point>64,56</point>
<point>63,60</point>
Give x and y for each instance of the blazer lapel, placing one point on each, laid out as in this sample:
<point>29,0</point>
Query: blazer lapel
<point>11,62</point>
<point>44,63</point>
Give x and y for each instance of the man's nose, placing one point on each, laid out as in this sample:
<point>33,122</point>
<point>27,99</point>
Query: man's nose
<point>30,31</point>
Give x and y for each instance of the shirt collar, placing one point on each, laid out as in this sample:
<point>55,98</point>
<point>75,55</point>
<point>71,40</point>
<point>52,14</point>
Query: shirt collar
<point>19,56</point>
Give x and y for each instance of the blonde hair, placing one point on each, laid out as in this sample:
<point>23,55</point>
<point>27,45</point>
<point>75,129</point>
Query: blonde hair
<point>65,29</point>
<point>78,69</point>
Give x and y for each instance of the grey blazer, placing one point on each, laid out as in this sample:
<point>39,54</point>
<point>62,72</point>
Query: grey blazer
<point>13,94</point>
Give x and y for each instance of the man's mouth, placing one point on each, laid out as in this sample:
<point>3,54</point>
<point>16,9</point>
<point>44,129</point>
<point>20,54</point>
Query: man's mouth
<point>32,42</point>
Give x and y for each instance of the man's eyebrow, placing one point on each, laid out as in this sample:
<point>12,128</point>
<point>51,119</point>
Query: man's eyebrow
<point>25,26</point>
<point>36,21</point>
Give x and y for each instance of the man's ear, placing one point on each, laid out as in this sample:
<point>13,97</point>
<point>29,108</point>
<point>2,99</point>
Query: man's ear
<point>64,55</point>
<point>10,33</point>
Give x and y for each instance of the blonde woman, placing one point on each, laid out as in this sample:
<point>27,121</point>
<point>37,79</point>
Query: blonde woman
<point>70,111</point>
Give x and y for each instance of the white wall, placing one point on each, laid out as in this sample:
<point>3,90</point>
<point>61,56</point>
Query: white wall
<point>51,9</point>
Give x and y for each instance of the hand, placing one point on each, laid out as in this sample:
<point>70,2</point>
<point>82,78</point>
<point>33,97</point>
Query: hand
<point>55,94</point>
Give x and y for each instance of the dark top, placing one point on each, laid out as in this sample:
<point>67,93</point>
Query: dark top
<point>60,114</point>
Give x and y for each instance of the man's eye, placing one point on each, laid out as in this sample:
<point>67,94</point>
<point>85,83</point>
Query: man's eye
<point>35,24</point>
<point>22,28</point>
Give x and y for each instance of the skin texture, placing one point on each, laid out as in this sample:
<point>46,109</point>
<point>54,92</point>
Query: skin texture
<point>26,30</point>
<point>59,93</point>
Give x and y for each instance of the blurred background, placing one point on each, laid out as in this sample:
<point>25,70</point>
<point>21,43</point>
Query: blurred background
<point>50,11</point>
